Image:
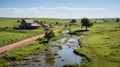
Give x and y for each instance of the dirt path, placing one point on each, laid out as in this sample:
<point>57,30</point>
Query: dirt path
<point>7,48</point>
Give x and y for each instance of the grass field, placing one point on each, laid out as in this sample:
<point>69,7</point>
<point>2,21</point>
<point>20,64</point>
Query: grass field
<point>101,45</point>
<point>9,35</point>
<point>34,48</point>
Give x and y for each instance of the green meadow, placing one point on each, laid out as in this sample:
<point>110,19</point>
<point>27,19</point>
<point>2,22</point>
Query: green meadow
<point>100,46</point>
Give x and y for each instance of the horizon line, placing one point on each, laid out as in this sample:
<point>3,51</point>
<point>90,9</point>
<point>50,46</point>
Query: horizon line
<point>60,18</point>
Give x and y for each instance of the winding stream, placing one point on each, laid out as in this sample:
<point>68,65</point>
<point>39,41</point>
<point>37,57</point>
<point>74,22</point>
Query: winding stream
<point>65,55</point>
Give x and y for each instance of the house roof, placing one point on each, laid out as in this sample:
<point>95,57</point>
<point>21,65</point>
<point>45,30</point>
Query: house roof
<point>32,22</point>
<point>29,21</point>
<point>35,24</point>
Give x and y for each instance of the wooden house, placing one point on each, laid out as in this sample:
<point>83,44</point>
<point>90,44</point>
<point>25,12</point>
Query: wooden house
<point>29,24</point>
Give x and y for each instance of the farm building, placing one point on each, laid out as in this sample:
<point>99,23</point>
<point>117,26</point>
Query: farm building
<point>29,24</point>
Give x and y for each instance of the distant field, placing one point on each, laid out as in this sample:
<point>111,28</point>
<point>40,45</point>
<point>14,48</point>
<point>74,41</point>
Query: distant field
<point>10,22</point>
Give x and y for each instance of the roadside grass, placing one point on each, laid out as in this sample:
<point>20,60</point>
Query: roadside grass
<point>102,46</point>
<point>34,48</point>
<point>7,37</point>
<point>19,53</point>
<point>2,62</point>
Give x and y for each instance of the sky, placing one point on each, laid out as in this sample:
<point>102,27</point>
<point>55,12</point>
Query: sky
<point>60,8</point>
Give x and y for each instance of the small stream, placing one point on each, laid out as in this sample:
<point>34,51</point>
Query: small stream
<point>65,54</point>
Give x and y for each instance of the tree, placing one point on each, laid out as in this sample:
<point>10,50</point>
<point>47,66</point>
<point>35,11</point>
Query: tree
<point>73,21</point>
<point>86,23</point>
<point>49,35</point>
<point>117,20</point>
<point>18,20</point>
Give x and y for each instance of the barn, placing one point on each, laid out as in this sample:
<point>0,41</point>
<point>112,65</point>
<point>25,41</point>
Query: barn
<point>29,24</point>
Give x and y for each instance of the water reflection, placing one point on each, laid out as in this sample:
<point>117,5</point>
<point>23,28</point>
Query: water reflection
<point>49,59</point>
<point>65,55</point>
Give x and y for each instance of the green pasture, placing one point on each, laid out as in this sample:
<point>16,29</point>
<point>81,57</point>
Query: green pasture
<point>103,45</point>
<point>100,47</point>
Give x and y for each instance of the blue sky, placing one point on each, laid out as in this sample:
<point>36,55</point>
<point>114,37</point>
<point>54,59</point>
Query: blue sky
<point>60,8</point>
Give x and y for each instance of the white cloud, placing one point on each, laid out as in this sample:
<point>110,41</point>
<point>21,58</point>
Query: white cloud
<point>53,12</point>
<point>80,9</point>
<point>21,10</point>
<point>38,9</point>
